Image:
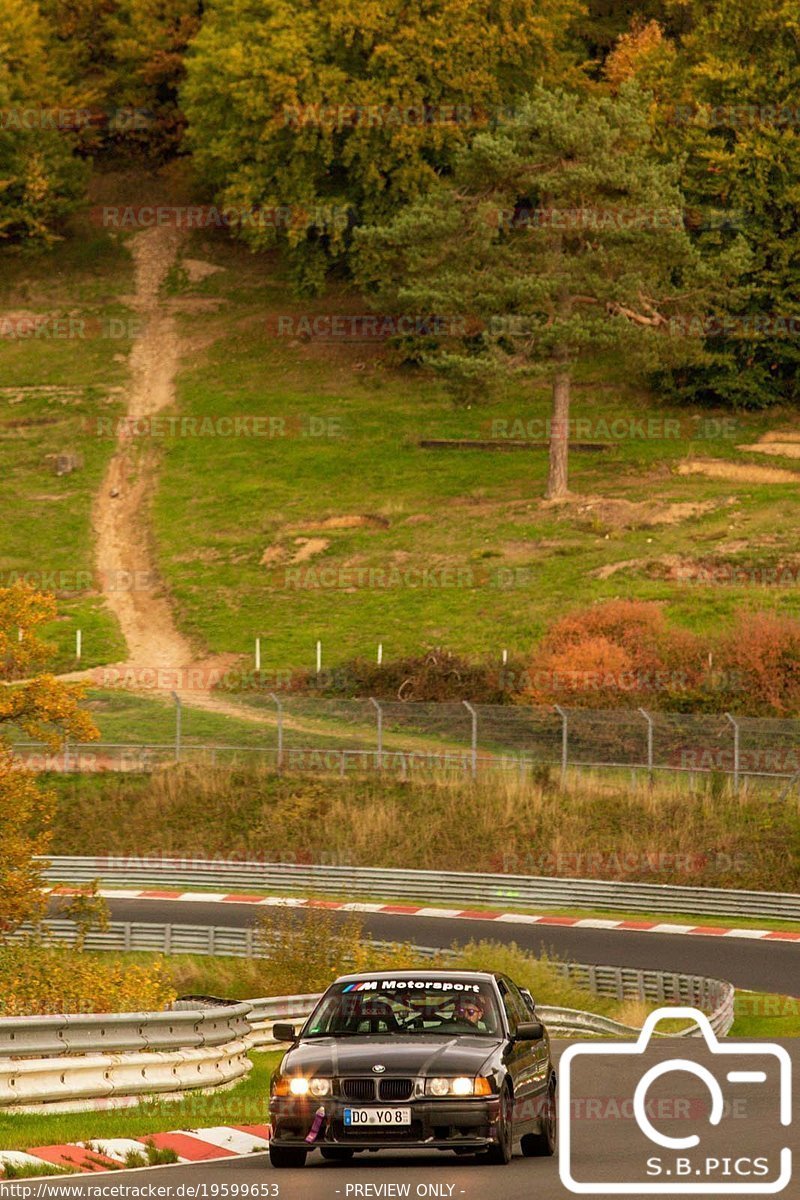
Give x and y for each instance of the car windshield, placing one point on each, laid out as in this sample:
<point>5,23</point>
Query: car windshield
<point>401,1007</point>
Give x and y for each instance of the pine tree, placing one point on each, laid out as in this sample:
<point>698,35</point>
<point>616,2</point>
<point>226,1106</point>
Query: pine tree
<point>559,237</point>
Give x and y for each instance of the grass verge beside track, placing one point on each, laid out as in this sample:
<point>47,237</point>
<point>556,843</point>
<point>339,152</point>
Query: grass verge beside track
<point>700,836</point>
<point>246,1103</point>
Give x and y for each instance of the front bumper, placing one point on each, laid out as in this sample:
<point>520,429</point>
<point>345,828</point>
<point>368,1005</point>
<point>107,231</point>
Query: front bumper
<point>436,1124</point>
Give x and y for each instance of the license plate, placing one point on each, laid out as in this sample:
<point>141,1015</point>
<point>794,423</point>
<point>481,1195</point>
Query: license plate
<point>356,1117</point>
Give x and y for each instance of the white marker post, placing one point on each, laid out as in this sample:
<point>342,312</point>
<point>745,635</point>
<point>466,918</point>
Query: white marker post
<point>380,653</point>
<point>319,657</point>
<point>258,654</point>
<point>78,643</point>
<point>505,657</point>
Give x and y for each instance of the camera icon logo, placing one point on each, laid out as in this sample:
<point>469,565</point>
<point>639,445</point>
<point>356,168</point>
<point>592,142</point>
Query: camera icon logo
<point>684,1165</point>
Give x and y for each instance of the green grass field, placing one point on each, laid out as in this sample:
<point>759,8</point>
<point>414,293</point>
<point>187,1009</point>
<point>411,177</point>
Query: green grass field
<point>367,536</point>
<point>55,387</point>
<point>500,563</point>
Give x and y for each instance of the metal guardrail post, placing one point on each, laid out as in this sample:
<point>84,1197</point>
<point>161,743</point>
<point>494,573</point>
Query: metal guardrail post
<point>279,707</point>
<point>474,739</point>
<point>379,730</point>
<point>735,725</point>
<point>564,741</point>
<point>649,720</point>
<point>178,708</point>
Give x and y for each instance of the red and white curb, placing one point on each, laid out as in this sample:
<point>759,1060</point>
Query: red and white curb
<point>110,1154</point>
<point>456,914</point>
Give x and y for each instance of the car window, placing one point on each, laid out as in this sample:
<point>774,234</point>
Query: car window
<point>517,1010</point>
<point>402,1007</point>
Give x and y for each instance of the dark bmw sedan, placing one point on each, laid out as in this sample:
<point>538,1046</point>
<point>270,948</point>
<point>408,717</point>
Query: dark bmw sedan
<point>427,1060</point>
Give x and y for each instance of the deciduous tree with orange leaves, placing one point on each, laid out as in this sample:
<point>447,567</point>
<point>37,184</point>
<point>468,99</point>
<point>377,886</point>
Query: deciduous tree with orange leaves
<point>45,709</point>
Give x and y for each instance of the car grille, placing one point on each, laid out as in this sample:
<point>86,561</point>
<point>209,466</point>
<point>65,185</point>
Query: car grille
<point>358,1089</point>
<point>396,1089</point>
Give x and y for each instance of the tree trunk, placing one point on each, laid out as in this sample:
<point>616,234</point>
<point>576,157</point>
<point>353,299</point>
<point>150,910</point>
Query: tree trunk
<point>559,436</point>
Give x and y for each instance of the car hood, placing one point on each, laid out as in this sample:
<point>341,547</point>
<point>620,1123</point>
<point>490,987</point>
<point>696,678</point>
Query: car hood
<point>404,1055</point>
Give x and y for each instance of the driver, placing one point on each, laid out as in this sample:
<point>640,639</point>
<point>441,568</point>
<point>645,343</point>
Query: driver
<point>470,1009</point>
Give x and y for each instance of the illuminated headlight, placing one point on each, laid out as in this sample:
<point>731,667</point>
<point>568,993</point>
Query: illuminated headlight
<point>462,1085</point>
<point>299,1086</point>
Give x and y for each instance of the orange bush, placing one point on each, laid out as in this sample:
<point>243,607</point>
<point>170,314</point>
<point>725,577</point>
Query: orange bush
<point>760,660</point>
<point>623,653</point>
<point>620,653</point>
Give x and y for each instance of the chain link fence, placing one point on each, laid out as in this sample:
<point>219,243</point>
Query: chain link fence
<point>353,736</point>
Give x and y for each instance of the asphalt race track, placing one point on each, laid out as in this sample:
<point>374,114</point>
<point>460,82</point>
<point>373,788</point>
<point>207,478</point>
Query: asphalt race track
<point>758,965</point>
<point>607,1147</point>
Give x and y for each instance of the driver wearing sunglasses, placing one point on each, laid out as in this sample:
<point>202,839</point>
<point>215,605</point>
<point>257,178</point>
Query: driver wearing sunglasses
<point>469,1009</point>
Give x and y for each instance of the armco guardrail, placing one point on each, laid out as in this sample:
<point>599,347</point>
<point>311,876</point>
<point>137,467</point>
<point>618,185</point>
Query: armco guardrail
<point>60,1083</point>
<point>462,888</point>
<point>127,936</point>
<point>58,1060</point>
<point>66,1034</point>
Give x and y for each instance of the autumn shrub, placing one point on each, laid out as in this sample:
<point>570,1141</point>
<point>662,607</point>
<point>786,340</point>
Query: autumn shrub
<point>38,978</point>
<point>621,653</point>
<point>759,661</point>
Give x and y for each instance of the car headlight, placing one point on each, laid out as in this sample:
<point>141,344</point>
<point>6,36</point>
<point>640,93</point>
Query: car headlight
<point>461,1085</point>
<point>299,1085</point>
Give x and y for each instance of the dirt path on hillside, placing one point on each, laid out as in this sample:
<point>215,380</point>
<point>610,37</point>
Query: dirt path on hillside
<point>160,659</point>
<point>124,552</point>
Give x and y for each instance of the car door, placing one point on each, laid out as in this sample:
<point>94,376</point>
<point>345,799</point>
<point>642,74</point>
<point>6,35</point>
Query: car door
<point>522,1061</point>
<point>542,1047</point>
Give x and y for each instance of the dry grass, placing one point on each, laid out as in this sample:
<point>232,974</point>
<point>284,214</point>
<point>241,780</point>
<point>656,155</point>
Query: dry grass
<point>596,827</point>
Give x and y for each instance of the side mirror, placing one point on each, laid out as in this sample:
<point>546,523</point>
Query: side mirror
<point>529,1031</point>
<point>283,1032</point>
